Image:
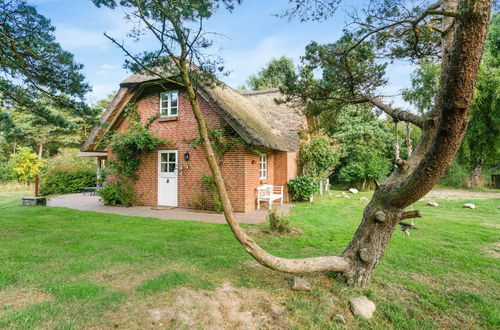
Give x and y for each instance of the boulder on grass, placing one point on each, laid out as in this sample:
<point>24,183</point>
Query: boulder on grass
<point>353,191</point>
<point>434,204</point>
<point>299,284</point>
<point>362,307</point>
<point>469,206</point>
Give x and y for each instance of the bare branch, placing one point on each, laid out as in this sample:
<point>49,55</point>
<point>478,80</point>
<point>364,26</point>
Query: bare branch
<point>395,113</point>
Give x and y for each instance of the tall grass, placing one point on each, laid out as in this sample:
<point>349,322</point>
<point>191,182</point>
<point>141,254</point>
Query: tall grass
<point>16,187</point>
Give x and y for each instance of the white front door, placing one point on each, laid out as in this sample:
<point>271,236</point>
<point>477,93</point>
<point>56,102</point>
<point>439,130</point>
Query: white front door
<point>167,177</point>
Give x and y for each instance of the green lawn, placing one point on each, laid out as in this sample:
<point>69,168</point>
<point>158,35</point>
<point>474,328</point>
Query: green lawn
<point>62,268</point>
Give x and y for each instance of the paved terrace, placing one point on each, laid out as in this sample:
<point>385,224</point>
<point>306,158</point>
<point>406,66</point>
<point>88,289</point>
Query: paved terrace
<point>93,203</point>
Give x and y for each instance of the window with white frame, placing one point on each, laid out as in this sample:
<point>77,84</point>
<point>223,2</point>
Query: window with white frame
<point>169,104</point>
<point>263,167</point>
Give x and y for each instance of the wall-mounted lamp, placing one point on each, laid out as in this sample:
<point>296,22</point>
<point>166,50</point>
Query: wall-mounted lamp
<point>253,161</point>
<point>186,156</point>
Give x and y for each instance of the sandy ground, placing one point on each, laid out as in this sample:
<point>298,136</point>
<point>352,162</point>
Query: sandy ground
<point>459,194</point>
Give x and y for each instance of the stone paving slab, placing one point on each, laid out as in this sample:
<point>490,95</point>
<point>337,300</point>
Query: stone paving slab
<point>93,203</point>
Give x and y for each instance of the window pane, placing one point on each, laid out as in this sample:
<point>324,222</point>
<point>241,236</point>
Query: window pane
<point>171,157</point>
<point>173,111</point>
<point>164,158</point>
<point>164,97</point>
<point>163,167</point>
<point>171,167</point>
<point>173,98</point>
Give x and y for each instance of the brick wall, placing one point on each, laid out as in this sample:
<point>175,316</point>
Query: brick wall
<point>240,167</point>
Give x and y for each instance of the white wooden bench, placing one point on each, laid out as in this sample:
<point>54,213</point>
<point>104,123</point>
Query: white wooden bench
<point>269,193</point>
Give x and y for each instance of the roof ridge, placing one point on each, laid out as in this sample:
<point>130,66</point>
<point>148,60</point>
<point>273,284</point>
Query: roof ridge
<point>262,91</point>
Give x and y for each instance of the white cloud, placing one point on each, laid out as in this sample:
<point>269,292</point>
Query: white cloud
<point>107,66</point>
<point>244,62</point>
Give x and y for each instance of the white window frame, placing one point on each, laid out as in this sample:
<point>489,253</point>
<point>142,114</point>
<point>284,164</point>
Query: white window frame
<point>263,167</point>
<point>167,112</point>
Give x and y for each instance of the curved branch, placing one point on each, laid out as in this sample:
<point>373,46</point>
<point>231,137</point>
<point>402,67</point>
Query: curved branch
<point>396,113</point>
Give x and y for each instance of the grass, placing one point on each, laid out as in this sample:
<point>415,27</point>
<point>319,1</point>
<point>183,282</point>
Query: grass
<point>90,265</point>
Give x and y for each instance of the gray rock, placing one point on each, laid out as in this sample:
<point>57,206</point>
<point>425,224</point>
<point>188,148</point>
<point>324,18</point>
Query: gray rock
<point>339,318</point>
<point>470,206</point>
<point>363,199</point>
<point>277,311</point>
<point>432,204</point>
<point>353,191</point>
<point>362,307</point>
<point>299,284</point>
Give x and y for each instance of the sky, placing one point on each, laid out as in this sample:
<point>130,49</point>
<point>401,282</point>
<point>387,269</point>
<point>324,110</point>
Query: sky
<point>248,38</point>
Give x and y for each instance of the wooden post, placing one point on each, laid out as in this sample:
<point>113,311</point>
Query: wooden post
<point>36,185</point>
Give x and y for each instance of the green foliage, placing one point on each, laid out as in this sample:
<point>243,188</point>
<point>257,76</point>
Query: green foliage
<point>367,145</point>
<point>221,141</point>
<point>34,66</point>
<point>456,175</point>
<point>481,142</point>
<point>68,157</point>
<point>7,173</point>
<point>424,86</point>
<point>319,156</point>
<point>273,75</point>
<point>302,188</point>
<point>26,164</point>
<point>67,180</point>
<point>118,193</point>
<point>278,223</point>
<point>127,146</point>
<point>209,182</point>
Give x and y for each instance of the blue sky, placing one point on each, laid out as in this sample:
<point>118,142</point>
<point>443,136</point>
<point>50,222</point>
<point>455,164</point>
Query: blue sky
<point>250,37</point>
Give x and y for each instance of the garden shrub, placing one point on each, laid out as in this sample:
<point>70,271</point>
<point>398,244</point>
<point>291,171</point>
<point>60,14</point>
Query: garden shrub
<point>455,176</point>
<point>278,223</point>
<point>67,180</point>
<point>26,164</point>
<point>319,156</point>
<point>7,173</point>
<point>118,193</point>
<point>302,188</point>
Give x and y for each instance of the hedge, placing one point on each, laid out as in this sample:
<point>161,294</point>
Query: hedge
<point>67,180</point>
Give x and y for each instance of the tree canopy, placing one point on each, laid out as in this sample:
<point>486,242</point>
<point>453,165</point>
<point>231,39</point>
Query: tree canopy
<point>35,67</point>
<point>273,75</point>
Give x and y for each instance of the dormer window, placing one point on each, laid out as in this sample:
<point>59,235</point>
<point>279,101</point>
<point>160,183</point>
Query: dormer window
<point>169,104</point>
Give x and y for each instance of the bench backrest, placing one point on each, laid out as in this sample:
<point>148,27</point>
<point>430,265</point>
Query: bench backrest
<point>266,190</point>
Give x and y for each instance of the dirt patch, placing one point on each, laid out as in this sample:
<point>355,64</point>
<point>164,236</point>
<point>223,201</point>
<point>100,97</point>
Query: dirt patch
<point>493,250</point>
<point>226,307</point>
<point>449,194</point>
<point>263,231</point>
<point>17,299</point>
<point>489,224</point>
<point>425,279</point>
<point>129,277</point>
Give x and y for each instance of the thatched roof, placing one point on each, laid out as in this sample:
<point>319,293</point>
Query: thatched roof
<point>255,116</point>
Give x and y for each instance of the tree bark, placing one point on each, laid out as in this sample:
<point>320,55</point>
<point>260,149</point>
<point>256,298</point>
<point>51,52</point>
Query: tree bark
<point>304,265</point>
<point>475,175</point>
<point>436,149</point>
<point>441,137</point>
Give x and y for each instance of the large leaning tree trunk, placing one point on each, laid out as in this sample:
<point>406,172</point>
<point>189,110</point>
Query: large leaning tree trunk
<point>464,32</point>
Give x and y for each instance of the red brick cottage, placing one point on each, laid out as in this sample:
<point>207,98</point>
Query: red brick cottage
<point>171,176</point>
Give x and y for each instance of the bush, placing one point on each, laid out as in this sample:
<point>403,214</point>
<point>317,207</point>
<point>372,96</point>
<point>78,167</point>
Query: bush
<point>455,176</point>
<point>7,173</point>
<point>67,180</point>
<point>118,193</point>
<point>26,164</point>
<point>302,188</point>
<point>278,223</point>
